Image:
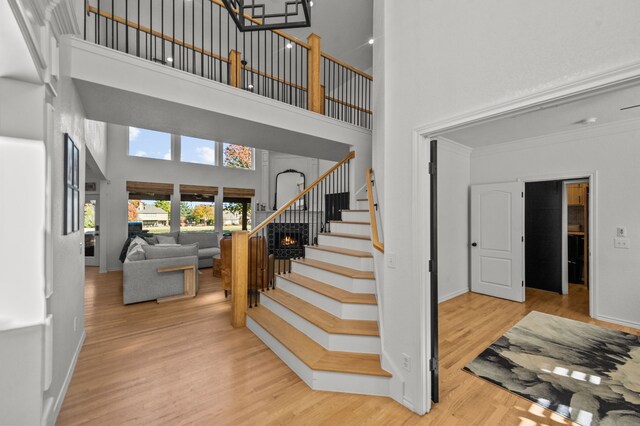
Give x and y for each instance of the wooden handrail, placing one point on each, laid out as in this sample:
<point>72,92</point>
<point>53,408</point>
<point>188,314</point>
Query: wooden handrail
<point>347,104</point>
<point>350,156</point>
<point>352,68</point>
<point>372,215</point>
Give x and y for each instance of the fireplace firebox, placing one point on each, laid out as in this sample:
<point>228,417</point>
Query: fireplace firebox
<point>287,240</point>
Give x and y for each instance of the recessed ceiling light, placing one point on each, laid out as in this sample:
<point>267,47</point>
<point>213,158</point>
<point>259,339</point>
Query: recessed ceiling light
<point>371,41</point>
<point>169,59</point>
<point>289,45</point>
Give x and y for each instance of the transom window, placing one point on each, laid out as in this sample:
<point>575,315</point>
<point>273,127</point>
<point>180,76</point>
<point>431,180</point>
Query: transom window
<point>200,151</point>
<point>149,144</point>
<point>238,156</point>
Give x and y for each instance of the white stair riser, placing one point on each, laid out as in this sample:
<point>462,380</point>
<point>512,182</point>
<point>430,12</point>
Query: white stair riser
<point>354,285</point>
<point>353,262</point>
<point>362,205</point>
<point>356,216</point>
<point>322,380</point>
<point>347,243</point>
<point>331,342</point>
<point>334,307</point>
<point>350,228</point>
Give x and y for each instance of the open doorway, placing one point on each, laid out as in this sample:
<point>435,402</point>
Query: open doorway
<point>556,243</point>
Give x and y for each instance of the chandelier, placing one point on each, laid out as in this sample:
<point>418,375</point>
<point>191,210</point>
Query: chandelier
<point>279,14</point>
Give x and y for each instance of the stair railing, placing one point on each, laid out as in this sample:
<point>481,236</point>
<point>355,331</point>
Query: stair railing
<point>372,197</point>
<point>271,247</point>
<point>202,39</point>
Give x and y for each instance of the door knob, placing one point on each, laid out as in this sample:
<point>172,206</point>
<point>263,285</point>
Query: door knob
<point>474,244</point>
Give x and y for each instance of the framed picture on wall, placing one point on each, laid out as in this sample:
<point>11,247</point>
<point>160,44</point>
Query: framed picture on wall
<point>72,186</point>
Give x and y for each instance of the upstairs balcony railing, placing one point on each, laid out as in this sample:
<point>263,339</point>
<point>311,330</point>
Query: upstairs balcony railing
<point>201,38</point>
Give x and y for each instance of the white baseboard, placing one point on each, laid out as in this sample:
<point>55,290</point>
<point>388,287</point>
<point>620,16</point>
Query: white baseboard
<point>618,321</point>
<point>452,295</point>
<point>53,416</point>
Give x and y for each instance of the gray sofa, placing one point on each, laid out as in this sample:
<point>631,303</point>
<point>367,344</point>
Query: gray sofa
<point>141,279</point>
<point>207,245</point>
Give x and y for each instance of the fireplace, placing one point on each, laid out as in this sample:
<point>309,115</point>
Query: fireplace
<point>287,240</point>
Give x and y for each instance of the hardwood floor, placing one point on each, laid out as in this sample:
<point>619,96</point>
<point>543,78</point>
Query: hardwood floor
<point>182,363</point>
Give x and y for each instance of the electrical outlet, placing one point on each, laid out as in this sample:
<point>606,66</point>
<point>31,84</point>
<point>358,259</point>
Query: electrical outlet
<point>621,231</point>
<point>406,362</point>
<point>622,243</point>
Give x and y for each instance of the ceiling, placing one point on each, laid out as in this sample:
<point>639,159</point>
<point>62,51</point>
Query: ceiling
<point>554,118</point>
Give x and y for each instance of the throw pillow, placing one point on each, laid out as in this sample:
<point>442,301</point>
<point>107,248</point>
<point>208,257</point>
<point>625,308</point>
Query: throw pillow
<point>155,252</point>
<point>163,239</point>
<point>136,253</point>
<point>152,239</point>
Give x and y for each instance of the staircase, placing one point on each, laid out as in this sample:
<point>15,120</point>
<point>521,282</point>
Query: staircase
<point>321,318</point>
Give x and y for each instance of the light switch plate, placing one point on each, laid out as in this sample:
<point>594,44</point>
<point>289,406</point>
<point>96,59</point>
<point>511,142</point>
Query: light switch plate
<point>621,231</point>
<point>622,243</point>
<point>392,260</point>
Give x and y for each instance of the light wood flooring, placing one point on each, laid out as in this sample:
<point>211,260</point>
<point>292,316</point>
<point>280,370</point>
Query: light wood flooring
<point>182,363</point>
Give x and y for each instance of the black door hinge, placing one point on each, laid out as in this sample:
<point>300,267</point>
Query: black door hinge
<point>432,168</point>
<point>522,283</point>
<point>430,265</point>
<point>433,364</point>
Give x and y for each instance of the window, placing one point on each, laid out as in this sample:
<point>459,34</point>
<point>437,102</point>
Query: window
<point>72,186</point>
<point>194,150</point>
<point>197,216</point>
<point>149,144</point>
<point>238,156</point>
<point>151,215</point>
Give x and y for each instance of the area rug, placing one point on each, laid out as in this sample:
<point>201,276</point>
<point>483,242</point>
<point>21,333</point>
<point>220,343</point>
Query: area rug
<point>583,372</point>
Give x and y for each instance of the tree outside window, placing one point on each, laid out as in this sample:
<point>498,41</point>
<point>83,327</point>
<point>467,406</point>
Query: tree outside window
<point>237,156</point>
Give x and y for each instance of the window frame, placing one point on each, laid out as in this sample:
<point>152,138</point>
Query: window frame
<point>216,150</point>
<point>171,145</point>
<point>253,157</point>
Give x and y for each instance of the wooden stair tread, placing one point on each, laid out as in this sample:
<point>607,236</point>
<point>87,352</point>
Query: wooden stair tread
<point>340,250</point>
<point>311,353</point>
<point>350,222</point>
<point>342,270</point>
<point>335,293</point>
<point>340,235</point>
<point>321,318</point>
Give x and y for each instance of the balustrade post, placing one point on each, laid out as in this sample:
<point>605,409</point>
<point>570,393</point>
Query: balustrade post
<point>239,278</point>
<point>235,68</point>
<point>315,95</point>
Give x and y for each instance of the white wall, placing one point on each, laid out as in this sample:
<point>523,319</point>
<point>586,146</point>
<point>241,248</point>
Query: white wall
<point>122,167</point>
<point>453,219</point>
<point>443,60</point>
<point>611,151</point>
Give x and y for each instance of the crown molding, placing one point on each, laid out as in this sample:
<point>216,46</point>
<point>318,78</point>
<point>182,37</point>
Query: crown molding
<point>454,147</point>
<point>606,129</point>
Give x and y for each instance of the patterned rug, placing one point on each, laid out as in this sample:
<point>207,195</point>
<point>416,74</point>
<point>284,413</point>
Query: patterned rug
<point>583,372</point>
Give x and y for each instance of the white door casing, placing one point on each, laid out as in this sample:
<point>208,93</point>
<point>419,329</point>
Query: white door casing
<point>497,246</point>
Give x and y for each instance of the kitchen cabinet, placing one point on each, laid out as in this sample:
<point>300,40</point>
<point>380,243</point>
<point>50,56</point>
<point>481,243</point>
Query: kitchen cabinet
<point>577,194</point>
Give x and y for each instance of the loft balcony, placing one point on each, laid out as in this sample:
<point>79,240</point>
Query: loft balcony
<point>201,38</point>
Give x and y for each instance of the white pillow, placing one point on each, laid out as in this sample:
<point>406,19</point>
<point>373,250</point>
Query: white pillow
<point>164,239</point>
<point>139,241</point>
<point>136,253</point>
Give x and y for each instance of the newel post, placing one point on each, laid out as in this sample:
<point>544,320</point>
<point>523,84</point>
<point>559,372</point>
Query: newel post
<point>239,278</point>
<point>315,98</point>
<point>235,68</point>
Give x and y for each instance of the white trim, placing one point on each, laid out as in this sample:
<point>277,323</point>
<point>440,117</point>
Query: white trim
<point>420,274</point>
<point>618,321</point>
<point>67,380</point>
<point>600,82</point>
<point>452,295</point>
<point>592,176</point>
<point>454,147</point>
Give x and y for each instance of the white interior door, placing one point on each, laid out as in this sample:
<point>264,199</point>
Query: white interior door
<point>497,234</point>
